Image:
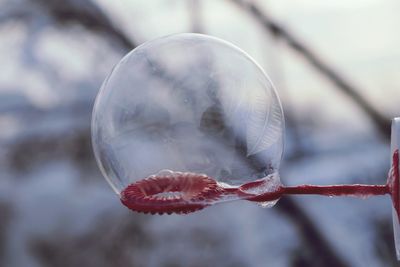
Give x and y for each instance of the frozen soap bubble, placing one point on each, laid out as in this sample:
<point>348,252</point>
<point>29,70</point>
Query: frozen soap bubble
<point>185,120</point>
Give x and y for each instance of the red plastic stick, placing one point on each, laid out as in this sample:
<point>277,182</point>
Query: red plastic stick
<point>188,192</point>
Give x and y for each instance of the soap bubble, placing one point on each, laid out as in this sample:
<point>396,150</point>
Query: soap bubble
<point>191,104</point>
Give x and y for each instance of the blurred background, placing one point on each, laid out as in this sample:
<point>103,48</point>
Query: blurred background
<point>335,65</point>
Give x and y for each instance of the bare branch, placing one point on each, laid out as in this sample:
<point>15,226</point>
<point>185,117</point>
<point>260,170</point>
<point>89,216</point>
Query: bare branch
<point>380,121</point>
<point>87,14</point>
<point>322,254</point>
<point>195,8</point>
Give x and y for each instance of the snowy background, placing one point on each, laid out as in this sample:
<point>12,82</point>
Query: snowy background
<point>57,210</point>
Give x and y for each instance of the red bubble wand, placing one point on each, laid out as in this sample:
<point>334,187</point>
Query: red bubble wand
<point>188,192</point>
<point>182,193</point>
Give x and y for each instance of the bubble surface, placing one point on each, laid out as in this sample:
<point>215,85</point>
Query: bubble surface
<point>188,103</point>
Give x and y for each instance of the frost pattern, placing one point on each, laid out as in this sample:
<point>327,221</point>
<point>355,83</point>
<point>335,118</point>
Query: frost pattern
<point>264,127</point>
